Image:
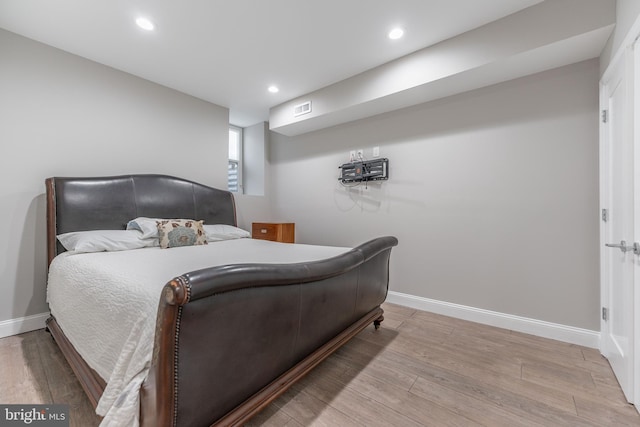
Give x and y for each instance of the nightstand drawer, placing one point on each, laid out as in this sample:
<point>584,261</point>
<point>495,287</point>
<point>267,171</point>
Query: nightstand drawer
<point>275,231</point>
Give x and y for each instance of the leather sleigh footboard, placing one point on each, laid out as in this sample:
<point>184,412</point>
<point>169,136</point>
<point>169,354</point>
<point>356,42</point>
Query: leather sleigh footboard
<point>230,339</point>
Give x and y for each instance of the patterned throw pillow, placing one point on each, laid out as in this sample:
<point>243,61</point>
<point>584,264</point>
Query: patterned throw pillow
<point>180,232</point>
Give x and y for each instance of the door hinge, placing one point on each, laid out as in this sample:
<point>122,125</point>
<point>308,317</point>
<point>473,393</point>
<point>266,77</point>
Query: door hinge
<point>605,215</point>
<point>605,313</point>
<point>604,116</point>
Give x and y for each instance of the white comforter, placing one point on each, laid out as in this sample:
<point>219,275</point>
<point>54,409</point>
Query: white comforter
<point>107,302</point>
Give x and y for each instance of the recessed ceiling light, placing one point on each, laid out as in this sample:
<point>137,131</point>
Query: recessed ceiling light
<point>273,89</point>
<point>396,33</point>
<point>145,24</point>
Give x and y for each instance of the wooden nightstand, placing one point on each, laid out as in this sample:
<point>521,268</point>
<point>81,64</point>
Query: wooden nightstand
<point>284,232</point>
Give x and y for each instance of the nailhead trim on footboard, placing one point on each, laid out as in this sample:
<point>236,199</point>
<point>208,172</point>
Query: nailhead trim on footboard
<point>187,286</point>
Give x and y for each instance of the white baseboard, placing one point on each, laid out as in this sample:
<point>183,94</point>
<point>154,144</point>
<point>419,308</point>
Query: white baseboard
<point>570,334</point>
<point>539,328</point>
<point>22,324</point>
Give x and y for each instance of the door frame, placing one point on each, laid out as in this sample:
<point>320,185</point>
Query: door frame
<point>635,82</point>
<point>625,51</point>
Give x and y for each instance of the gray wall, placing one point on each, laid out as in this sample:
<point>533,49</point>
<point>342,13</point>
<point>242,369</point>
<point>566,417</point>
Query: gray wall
<point>493,195</point>
<point>627,12</point>
<point>253,205</point>
<point>61,115</point>
<point>254,146</point>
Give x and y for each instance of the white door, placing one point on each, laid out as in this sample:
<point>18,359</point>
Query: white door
<point>636,215</point>
<point>617,227</point>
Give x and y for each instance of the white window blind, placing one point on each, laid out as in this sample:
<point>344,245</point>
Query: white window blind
<point>234,170</point>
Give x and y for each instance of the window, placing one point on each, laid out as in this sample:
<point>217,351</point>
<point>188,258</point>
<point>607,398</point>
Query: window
<point>234,173</point>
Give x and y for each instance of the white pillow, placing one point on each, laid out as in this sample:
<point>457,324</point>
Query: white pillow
<point>147,226</point>
<point>104,240</point>
<point>217,232</point>
<point>214,232</point>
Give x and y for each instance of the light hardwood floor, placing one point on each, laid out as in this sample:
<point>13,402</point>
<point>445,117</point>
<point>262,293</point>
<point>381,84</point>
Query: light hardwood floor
<point>419,369</point>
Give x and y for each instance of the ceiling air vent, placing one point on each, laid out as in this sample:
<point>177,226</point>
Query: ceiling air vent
<point>300,109</point>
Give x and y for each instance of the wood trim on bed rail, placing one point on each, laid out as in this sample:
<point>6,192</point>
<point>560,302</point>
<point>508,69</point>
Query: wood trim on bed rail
<point>91,382</point>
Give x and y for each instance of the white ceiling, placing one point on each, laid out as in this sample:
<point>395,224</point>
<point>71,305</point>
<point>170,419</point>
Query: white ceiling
<point>229,51</point>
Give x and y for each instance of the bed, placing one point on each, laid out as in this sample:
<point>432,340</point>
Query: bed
<point>229,332</point>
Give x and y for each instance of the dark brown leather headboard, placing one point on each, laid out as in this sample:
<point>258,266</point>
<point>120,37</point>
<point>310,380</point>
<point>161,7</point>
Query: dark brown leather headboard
<point>108,203</point>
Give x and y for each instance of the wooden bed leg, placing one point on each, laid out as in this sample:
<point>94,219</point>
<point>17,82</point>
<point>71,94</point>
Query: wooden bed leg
<point>376,323</point>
